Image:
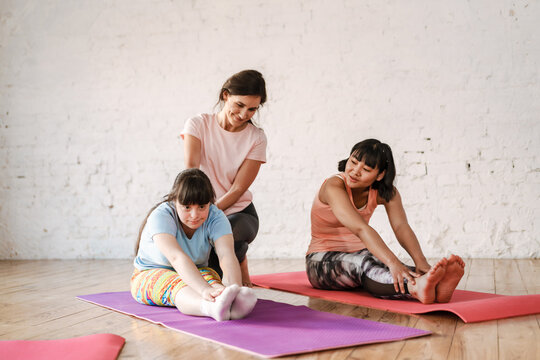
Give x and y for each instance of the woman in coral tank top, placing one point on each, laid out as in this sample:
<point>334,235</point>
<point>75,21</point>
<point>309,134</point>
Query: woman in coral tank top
<point>346,253</point>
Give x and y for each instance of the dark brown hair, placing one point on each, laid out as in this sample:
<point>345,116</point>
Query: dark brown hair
<point>191,186</point>
<point>247,82</point>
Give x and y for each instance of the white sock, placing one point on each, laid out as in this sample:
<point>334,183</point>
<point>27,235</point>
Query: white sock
<point>220,309</point>
<point>244,303</point>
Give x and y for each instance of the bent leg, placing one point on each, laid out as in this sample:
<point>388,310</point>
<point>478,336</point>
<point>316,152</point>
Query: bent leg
<point>245,226</point>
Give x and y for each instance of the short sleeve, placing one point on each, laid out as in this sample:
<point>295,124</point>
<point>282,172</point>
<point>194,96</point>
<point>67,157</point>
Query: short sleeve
<point>193,127</point>
<point>161,221</point>
<point>218,224</point>
<point>258,151</point>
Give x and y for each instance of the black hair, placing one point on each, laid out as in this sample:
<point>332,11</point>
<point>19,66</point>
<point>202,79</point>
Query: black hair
<point>378,155</point>
<point>191,186</point>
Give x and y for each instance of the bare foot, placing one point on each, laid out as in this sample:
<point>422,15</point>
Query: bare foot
<point>246,281</point>
<point>424,288</point>
<point>454,272</point>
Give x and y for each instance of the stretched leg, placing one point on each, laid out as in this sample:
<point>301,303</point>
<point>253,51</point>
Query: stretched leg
<point>164,287</point>
<point>454,273</point>
<point>346,271</point>
<point>334,270</point>
<point>424,288</point>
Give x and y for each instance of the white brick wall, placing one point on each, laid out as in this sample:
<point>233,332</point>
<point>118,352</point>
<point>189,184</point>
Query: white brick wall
<point>93,95</point>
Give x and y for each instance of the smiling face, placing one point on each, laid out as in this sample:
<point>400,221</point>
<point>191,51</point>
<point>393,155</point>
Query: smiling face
<point>360,175</point>
<point>238,110</point>
<point>192,216</point>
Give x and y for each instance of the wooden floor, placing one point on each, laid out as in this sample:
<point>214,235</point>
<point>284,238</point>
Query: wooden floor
<point>37,302</point>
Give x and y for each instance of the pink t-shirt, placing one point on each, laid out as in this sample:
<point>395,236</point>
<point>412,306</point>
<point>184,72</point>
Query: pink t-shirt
<point>223,152</point>
<point>328,234</point>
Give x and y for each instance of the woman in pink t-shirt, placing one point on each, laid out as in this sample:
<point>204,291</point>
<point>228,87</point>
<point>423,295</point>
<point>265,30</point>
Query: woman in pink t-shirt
<point>230,149</point>
<point>346,253</point>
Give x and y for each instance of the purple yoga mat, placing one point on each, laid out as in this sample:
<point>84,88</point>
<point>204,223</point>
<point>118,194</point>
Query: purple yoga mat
<point>273,329</point>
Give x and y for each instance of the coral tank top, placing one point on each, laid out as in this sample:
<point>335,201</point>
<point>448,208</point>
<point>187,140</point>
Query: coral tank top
<point>328,234</point>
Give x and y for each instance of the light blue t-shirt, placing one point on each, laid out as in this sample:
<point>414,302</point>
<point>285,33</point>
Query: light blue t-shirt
<point>164,220</point>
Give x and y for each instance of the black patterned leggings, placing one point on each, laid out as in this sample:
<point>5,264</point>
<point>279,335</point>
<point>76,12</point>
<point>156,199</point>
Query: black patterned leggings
<point>334,270</point>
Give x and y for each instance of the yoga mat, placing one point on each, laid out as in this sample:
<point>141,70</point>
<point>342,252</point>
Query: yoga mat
<point>91,347</point>
<point>470,306</point>
<point>273,329</point>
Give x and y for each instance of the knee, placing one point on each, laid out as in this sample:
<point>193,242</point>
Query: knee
<point>244,227</point>
<point>244,234</point>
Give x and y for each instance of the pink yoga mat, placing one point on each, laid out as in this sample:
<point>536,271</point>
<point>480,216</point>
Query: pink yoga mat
<point>91,347</point>
<point>470,306</point>
<point>273,329</point>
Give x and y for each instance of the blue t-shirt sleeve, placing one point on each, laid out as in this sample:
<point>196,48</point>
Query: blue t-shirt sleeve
<point>161,221</point>
<point>218,224</point>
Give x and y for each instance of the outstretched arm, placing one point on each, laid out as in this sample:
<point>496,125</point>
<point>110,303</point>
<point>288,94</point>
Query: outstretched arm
<point>184,266</point>
<point>333,193</point>
<point>404,234</point>
<point>244,178</point>
<point>227,260</point>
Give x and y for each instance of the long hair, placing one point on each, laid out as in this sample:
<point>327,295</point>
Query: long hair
<point>376,154</point>
<point>191,186</point>
<point>246,82</point>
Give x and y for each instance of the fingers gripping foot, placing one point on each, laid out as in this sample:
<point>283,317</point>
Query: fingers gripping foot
<point>220,309</point>
<point>424,288</point>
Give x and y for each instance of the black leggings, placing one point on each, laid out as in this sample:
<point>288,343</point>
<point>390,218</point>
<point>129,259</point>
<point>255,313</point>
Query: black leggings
<point>335,270</point>
<point>245,225</point>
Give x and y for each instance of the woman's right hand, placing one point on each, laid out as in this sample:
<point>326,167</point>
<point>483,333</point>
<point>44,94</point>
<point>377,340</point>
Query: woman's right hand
<point>399,273</point>
<point>210,293</point>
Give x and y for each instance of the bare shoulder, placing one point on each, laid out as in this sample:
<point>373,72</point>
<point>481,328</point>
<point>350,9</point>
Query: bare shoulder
<point>332,184</point>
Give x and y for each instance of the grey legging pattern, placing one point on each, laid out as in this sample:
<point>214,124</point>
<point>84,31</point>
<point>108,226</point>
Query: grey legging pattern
<point>335,270</point>
<point>245,225</point>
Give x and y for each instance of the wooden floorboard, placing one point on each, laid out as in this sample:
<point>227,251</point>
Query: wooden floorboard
<point>38,302</point>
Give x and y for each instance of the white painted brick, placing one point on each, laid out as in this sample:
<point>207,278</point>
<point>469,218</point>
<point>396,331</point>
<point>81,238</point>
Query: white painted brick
<point>93,97</point>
